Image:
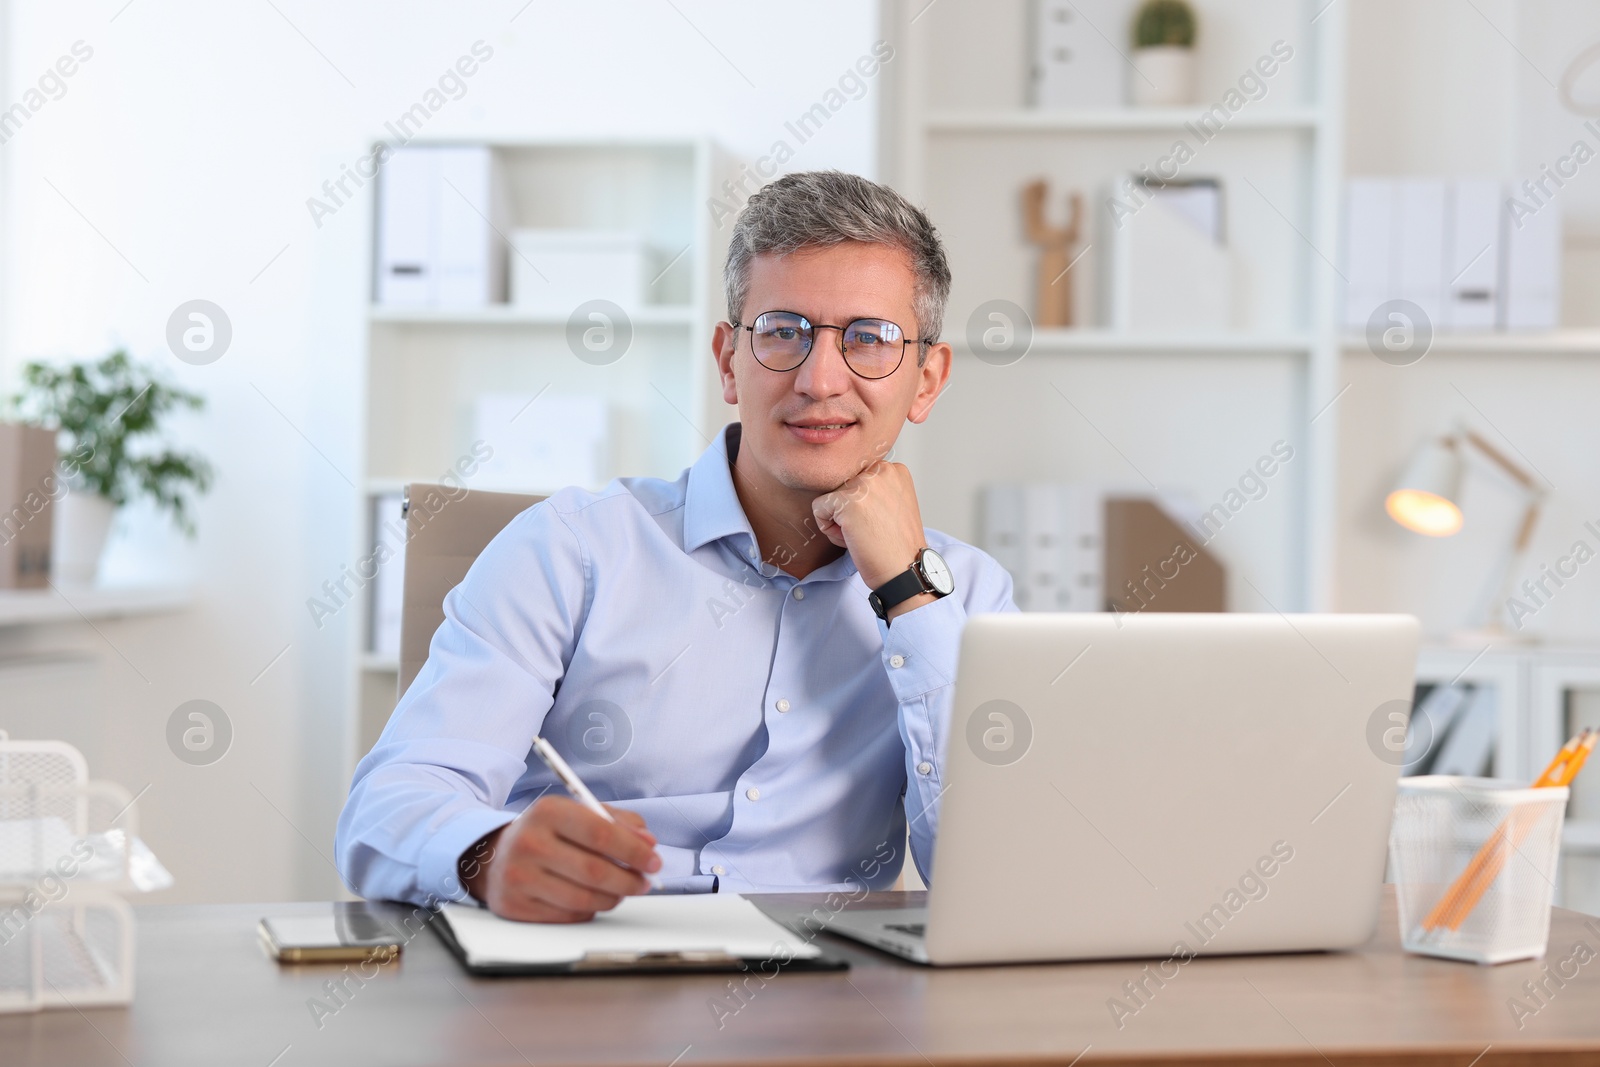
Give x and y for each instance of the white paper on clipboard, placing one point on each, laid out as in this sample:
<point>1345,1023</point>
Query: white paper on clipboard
<point>666,923</point>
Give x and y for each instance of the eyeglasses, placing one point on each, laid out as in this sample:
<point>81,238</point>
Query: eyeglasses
<point>872,348</point>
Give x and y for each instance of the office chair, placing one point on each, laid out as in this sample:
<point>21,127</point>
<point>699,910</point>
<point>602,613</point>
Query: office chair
<point>446,528</point>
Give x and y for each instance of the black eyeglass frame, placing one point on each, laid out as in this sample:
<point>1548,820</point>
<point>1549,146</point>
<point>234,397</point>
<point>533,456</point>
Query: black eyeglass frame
<point>816,326</point>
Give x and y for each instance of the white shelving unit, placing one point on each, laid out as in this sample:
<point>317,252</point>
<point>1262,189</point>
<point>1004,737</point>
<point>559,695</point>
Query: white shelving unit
<point>1179,412</point>
<point>960,138</point>
<point>424,366</point>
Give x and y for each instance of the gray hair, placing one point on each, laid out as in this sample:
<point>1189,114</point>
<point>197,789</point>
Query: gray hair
<point>817,208</point>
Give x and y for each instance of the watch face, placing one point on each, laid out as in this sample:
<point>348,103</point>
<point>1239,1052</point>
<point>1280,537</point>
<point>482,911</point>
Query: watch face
<point>937,571</point>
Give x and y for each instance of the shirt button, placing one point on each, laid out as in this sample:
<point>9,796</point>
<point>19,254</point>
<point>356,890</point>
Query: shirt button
<point>753,793</point>
<point>799,594</point>
<point>782,704</point>
<point>716,869</point>
<point>897,661</point>
<point>924,768</point>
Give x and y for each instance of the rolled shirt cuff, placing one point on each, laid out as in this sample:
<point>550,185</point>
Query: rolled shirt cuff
<point>437,869</point>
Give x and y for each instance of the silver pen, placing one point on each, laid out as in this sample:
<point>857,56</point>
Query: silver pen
<point>579,791</point>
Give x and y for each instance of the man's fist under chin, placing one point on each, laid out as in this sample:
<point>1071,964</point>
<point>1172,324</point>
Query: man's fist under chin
<point>874,516</point>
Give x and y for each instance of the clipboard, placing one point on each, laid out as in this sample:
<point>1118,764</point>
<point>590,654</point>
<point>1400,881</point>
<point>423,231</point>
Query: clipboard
<point>756,943</point>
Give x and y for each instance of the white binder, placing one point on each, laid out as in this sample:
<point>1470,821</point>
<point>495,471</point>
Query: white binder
<point>441,209</point>
<point>1050,538</point>
<point>405,266</point>
<point>1472,256</point>
<point>1075,63</point>
<point>1532,295</point>
<point>1419,225</point>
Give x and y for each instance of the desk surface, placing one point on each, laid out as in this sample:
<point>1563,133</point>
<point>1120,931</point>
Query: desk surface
<point>208,995</point>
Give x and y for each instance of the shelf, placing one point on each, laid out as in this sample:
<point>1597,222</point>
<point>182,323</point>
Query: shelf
<point>1470,645</point>
<point>1574,342</point>
<point>1581,835</point>
<point>377,486</point>
<point>21,607</point>
<point>1093,341</point>
<point>373,663</point>
<point>508,315</point>
<point>1110,120</point>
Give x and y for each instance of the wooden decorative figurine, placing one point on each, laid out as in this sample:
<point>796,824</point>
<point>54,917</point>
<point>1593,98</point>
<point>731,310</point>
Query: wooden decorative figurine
<point>1054,306</point>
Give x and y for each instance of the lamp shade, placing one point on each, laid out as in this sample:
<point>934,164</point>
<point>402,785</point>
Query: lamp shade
<point>1424,500</point>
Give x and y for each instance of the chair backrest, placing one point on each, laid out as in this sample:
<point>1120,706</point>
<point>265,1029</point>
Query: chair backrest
<point>446,528</point>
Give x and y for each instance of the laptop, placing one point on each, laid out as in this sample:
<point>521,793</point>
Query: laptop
<point>1161,785</point>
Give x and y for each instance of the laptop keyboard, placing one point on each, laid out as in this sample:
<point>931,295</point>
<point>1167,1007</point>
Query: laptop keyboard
<point>914,929</point>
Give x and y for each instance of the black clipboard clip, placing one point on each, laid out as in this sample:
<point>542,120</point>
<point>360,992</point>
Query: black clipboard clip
<point>686,960</point>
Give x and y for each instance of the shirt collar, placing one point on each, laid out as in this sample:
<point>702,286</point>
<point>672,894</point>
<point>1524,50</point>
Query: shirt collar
<point>711,507</point>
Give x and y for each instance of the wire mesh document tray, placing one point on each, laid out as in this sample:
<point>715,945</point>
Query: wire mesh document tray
<point>69,850</point>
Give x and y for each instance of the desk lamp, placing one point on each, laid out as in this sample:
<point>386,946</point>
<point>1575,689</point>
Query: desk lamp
<point>1426,501</point>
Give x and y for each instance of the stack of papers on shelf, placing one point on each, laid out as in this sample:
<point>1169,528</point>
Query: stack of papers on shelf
<point>1458,723</point>
<point>1431,720</point>
<point>1468,747</point>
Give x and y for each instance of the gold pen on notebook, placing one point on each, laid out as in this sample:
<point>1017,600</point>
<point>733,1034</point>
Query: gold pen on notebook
<point>579,791</point>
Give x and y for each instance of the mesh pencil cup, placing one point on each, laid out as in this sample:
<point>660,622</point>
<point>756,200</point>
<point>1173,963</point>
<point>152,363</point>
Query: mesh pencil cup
<point>1474,864</point>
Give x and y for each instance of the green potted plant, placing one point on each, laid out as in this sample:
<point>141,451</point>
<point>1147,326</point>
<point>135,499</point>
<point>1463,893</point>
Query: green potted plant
<point>1163,53</point>
<point>109,415</point>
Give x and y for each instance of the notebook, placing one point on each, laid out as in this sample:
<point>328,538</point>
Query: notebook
<point>669,932</point>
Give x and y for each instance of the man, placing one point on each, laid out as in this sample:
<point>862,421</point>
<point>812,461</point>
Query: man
<point>708,654</point>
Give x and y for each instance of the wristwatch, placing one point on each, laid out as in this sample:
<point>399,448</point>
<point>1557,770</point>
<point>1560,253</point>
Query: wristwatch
<point>928,573</point>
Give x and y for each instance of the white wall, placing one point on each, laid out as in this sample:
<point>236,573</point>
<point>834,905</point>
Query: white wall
<point>177,165</point>
<point>1430,87</point>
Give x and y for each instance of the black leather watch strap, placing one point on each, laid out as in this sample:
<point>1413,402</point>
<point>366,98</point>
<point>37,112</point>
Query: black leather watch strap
<point>900,588</point>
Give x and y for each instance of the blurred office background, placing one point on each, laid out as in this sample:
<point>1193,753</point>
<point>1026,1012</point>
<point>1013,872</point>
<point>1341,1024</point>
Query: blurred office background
<point>1225,363</point>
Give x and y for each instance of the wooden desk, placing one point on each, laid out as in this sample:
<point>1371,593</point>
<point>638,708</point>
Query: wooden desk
<point>208,995</point>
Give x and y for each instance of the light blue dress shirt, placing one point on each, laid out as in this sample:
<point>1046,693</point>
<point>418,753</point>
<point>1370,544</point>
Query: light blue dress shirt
<point>774,733</point>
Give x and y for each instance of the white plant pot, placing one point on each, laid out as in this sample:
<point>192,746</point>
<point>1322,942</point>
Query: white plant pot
<point>82,524</point>
<point>1163,76</point>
